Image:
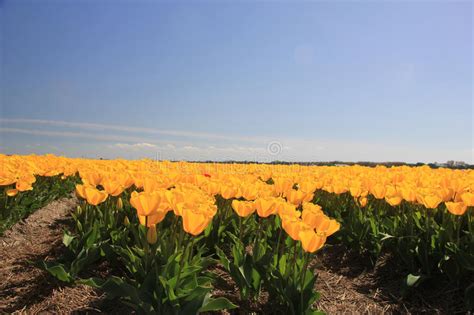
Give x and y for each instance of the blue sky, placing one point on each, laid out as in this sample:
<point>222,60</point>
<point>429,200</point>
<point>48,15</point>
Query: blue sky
<point>312,81</point>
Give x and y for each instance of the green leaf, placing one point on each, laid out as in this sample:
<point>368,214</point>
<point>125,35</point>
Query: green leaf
<point>218,304</point>
<point>222,258</point>
<point>386,236</point>
<point>114,287</point>
<point>67,239</point>
<point>58,271</point>
<point>85,258</point>
<point>412,280</point>
<point>282,264</point>
<point>256,279</point>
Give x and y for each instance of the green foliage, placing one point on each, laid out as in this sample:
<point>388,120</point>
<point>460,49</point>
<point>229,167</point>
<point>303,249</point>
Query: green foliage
<point>45,190</point>
<point>428,242</point>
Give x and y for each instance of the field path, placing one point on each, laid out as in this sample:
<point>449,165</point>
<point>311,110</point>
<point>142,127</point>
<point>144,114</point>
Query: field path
<point>27,243</point>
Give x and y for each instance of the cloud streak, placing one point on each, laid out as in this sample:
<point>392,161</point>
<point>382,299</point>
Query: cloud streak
<point>136,141</point>
<point>131,129</point>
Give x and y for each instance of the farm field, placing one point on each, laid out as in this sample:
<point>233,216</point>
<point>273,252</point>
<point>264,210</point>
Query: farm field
<point>144,236</point>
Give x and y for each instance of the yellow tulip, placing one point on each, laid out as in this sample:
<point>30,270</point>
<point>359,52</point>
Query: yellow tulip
<point>287,210</point>
<point>119,203</point>
<point>295,196</point>
<point>456,208</point>
<point>249,192</point>
<point>228,192</point>
<point>363,201</point>
<point>194,222</point>
<point>81,191</point>
<point>243,208</point>
<point>113,188</point>
<point>431,201</point>
<point>325,225</point>
<point>292,227</point>
<point>91,178</point>
<point>126,221</point>
<point>307,186</point>
<point>312,241</point>
<point>378,190</point>
<point>151,235</point>
<point>468,199</point>
<point>146,203</point>
<point>94,196</point>
<point>23,185</point>
<point>5,181</point>
<point>356,190</point>
<point>12,192</point>
<point>393,201</point>
<point>265,207</point>
<point>282,185</point>
<point>408,193</point>
<point>151,185</point>
<point>339,189</point>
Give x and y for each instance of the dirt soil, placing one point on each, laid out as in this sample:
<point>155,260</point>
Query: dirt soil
<point>347,283</point>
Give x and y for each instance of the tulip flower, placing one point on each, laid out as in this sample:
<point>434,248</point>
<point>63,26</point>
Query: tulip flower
<point>356,190</point>
<point>325,225</point>
<point>249,192</point>
<point>126,221</point>
<point>408,193</point>
<point>363,201</point>
<point>468,199</point>
<point>287,210</point>
<point>456,208</point>
<point>243,208</point>
<point>22,185</point>
<point>146,203</point>
<point>293,226</point>
<point>311,241</point>
<point>228,192</point>
<point>431,201</point>
<point>393,201</point>
<point>265,207</point>
<point>12,192</point>
<point>339,189</point>
<point>151,235</point>
<point>119,204</point>
<point>91,178</point>
<point>378,190</point>
<point>113,188</point>
<point>94,196</point>
<point>295,196</point>
<point>194,222</point>
<point>81,191</point>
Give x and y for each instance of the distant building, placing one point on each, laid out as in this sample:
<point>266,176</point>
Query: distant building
<point>455,163</point>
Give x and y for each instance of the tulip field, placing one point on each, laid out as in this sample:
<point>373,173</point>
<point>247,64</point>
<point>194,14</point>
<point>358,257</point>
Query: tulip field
<point>165,225</point>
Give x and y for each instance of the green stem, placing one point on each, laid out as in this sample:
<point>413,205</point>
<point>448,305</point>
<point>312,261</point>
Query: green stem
<point>240,229</point>
<point>428,240</point>
<point>306,261</point>
<point>181,263</point>
<point>191,249</point>
<point>458,230</point>
<point>180,239</point>
<point>294,257</point>
<point>278,246</point>
<point>147,246</point>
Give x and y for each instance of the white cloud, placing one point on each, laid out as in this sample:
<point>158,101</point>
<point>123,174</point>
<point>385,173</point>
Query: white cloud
<point>132,145</point>
<point>142,145</point>
<point>190,148</point>
<point>130,129</point>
